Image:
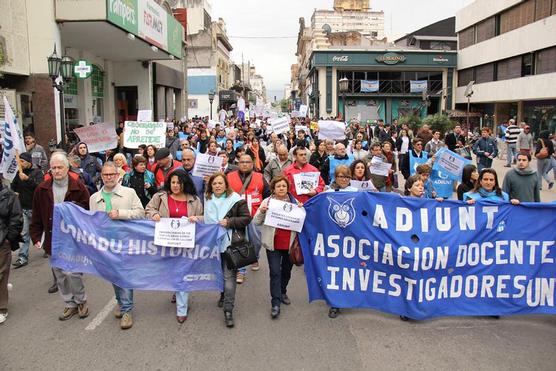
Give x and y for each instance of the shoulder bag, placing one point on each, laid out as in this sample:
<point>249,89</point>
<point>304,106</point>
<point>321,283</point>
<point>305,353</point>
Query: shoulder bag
<point>240,253</point>
<point>543,153</point>
<point>296,255</point>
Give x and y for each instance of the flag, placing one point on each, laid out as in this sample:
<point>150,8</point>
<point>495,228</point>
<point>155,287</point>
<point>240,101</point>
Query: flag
<point>12,141</point>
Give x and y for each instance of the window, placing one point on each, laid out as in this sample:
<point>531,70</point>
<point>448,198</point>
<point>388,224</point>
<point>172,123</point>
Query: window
<point>193,103</point>
<point>71,87</point>
<point>484,73</point>
<point>542,9</point>
<point>466,37</point>
<point>527,67</point>
<point>509,69</point>
<point>486,29</point>
<point>97,82</point>
<point>518,16</point>
<point>546,61</point>
<point>465,76</point>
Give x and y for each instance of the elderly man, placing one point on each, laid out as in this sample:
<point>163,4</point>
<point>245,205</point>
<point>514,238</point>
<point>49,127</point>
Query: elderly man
<point>60,187</point>
<point>188,160</point>
<point>122,203</point>
<point>277,165</point>
<point>340,157</point>
<point>165,164</point>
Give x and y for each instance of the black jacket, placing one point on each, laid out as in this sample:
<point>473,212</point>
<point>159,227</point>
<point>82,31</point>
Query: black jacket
<point>11,218</point>
<point>239,218</point>
<point>26,188</point>
<point>317,160</point>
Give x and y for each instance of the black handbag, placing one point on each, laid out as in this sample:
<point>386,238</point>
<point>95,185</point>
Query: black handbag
<point>239,254</point>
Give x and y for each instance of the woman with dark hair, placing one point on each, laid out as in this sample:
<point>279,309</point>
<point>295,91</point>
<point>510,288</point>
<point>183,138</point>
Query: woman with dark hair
<point>150,152</point>
<point>319,156</point>
<point>486,188</point>
<point>403,146</point>
<point>359,170</point>
<point>414,187</point>
<point>140,179</point>
<point>230,210</point>
<point>291,141</point>
<point>543,152</point>
<point>277,243</point>
<point>468,180</point>
<point>391,159</point>
<point>357,150</point>
<point>257,153</point>
<point>141,150</point>
<point>177,200</point>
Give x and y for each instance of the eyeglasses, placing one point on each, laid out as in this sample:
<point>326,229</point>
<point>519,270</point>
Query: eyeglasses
<point>245,162</point>
<point>109,175</point>
<point>343,177</point>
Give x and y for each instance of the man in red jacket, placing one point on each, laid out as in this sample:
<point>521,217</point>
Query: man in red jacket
<point>165,164</point>
<point>301,165</point>
<point>59,187</point>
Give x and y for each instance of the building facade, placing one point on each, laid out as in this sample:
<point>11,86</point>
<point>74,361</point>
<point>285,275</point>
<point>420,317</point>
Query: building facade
<point>508,49</point>
<point>382,83</point>
<point>133,62</point>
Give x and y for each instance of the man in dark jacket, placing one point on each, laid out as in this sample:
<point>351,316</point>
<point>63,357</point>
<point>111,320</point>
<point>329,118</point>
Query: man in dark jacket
<point>61,186</point>
<point>24,185</point>
<point>522,183</point>
<point>485,149</point>
<point>89,163</point>
<point>11,223</point>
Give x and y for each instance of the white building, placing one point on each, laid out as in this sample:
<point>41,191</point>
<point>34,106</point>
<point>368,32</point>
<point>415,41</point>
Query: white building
<point>508,47</point>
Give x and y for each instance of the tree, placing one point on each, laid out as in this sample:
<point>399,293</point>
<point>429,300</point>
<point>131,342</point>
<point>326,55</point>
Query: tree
<point>439,122</point>
<point>413,121</point>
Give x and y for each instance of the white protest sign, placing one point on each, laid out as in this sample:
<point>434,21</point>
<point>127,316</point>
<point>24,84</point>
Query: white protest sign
<point>295,113</point>
<point>303,110</point>
<point>280,125</point>
<point>450,163</point>
<point>363,185</point>
<point>144,115</point>
<point>206,165</point>
<point>284,215</point>
<point>334,130</point>
<point>298,128</point>
<point>305,182</point>
<point>98,137</point>
<point>174,232</point>
<point>170,125</point>
<point>379,167</point>
<point>147,132</point>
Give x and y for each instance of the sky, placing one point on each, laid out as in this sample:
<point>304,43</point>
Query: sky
<point>273,57</point>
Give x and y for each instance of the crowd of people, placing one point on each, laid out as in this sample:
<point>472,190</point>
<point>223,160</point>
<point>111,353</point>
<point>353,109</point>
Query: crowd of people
<point>257,165</point>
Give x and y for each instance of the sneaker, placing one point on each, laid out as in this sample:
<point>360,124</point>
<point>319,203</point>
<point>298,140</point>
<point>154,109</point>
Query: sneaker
<point>117,312</point>
<point>229,319</point>
<point>19,263</point>
<point>275,312</point>
<point>285,299</point>
<point>333,312</point>
<point>3,317</point>
<point>181,319</point>
<point>127,321</point>
<point>83,310</point>
<point>255,266</point>
<point>173,299</point>
<point>240,278</point>
<point>68,313</point>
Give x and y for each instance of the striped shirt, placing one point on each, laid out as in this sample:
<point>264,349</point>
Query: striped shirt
<point>512,132</point>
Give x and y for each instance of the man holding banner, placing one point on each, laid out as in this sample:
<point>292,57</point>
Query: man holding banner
<point>121,203</point>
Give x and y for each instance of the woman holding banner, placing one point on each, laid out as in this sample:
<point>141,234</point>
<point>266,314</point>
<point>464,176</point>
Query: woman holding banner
<point>277,243</point>
<point>487,188</point>
<point>177,200</point>
<point>342,177</point>
<point>360,171</point>
<point>227,208</point>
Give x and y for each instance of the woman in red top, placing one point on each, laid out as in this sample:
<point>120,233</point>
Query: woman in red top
<point>277,243</point>
<point>177,200</point>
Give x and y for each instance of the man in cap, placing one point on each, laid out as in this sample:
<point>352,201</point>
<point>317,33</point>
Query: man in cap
<point>165,164</point>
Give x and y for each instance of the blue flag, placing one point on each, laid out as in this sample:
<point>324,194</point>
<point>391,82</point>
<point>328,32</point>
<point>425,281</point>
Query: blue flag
<point>423,258</point>
<point>124,253</point>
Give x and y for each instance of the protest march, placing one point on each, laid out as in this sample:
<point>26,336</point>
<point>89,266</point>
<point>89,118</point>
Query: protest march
<point>407,233</point>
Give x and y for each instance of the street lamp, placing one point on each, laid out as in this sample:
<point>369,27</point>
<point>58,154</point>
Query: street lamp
<point>468,93</point>
<point>343,84</point>
<point>60,66</point>
<point>211,99</point>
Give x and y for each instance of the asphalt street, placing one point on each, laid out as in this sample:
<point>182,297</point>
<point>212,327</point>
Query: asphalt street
<point>303,338</point>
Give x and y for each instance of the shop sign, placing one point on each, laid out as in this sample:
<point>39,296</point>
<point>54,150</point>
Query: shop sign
<point>440,59</point>
<point>82,69</point>
<point>391,58</point>
<point>149,21</point>
<point>340,58</point>
<point>70,101</point>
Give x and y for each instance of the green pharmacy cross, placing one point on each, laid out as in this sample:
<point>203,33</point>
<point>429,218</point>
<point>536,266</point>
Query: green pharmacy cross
<point>82,70</point>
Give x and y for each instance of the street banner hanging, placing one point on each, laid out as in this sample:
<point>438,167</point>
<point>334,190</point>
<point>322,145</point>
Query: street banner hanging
<point>12,141</point>
<point>421,258</point>
<point>124,253</point>
<point>418,86</point>
<point>369,86</point>
<point>329,129</point>
<point>206,165</point>
<point>98,137</point>
<point>284,215</point>
<point>145,132</point>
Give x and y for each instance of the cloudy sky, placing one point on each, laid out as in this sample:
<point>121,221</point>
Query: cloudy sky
<point>249,23</point>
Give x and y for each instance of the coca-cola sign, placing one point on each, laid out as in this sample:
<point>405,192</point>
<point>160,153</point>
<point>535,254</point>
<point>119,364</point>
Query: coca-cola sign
<point>340,58</point>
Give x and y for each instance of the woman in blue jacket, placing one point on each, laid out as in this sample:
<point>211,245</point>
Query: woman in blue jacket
<point>486,188</point>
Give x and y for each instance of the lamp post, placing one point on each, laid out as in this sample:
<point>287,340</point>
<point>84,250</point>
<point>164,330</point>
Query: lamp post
<point>343,85</point>
<point>211,99</point>
<point>60,66</point>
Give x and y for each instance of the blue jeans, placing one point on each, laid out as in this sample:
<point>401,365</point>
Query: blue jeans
<point>182,298</point>
<point>543,167</point>
<point>124,297</point>
<point>512,153</point>
<point>24,246</point>
<point>280,274</point>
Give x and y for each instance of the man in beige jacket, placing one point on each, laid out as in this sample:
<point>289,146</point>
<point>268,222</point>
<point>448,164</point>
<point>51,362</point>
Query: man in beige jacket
<point>118,202</point>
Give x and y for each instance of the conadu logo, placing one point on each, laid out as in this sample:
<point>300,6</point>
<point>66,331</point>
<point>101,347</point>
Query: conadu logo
<point>125,9</point>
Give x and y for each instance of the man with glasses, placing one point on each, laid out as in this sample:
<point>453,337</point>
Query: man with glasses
<point>301,165</point>
<point>416,157</point>
<point>58,188</point>
<point>120,203</point>
<point>332,162</point>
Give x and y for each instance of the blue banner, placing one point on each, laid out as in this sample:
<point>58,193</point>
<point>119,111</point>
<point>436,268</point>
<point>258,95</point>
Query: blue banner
<point>369,86</point>
<point>450,164</point>
<point>418,86</point>
<point>124,253</point>
<point>416,161</point>
<point>424,258</point>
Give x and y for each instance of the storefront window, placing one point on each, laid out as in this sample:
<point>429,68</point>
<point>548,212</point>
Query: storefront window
<point>97,82</point>
<point>71,87</point>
